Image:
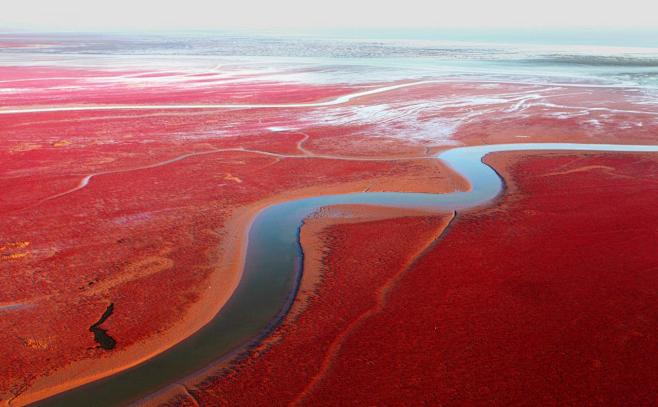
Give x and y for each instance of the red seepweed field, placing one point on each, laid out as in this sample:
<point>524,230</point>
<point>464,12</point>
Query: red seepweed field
<point>130,218</point>
<point>541,298</point>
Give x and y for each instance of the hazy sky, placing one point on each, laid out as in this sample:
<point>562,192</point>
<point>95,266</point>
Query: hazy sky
<point>305,14</point>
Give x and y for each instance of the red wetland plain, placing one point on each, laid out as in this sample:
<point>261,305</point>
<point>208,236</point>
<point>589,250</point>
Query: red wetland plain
<point>547,295</point>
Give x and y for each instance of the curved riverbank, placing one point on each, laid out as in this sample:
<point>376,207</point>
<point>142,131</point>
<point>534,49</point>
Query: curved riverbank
<point>226,276</point>
<point>273,260</point>
<point>543,297</point>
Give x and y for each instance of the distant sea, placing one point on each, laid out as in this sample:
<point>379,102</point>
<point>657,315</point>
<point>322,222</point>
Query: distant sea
<point>623,58</point>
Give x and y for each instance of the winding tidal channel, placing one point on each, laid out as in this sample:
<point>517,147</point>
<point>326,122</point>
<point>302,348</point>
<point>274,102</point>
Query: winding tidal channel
<point>273,268</point>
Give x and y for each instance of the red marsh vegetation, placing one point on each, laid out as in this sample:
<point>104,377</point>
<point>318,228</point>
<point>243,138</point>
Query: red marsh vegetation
<point>546,297</point>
